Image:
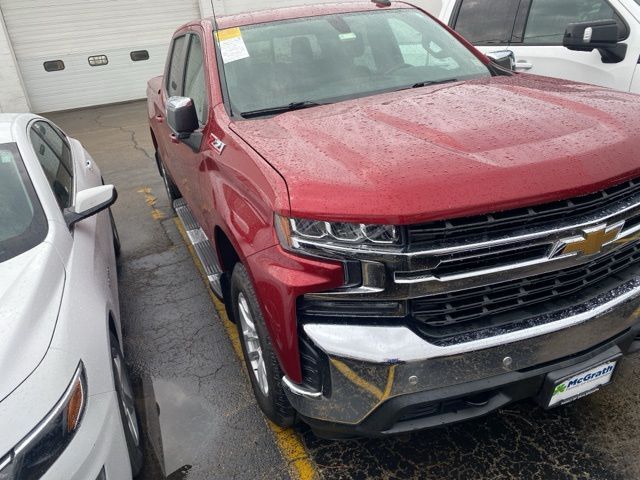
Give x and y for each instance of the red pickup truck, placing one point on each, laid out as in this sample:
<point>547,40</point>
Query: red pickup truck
<point>406,234</point>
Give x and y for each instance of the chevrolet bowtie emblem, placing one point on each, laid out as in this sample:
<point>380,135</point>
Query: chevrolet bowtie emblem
<point>591,242</point>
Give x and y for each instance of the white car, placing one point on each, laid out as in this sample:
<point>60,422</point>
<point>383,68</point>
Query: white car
<point>66,403</point>
<point>590,41</point>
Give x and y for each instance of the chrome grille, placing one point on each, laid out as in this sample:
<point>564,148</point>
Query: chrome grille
<point>459,313</point>
<point>483,227</point>
<point>492,273</point>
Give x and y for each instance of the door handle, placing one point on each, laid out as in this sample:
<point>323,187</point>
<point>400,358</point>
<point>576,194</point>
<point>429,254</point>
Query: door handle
<point>523,65</point>
<point>174,138</point>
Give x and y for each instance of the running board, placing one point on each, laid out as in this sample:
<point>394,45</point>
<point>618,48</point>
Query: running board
<point>202,246</point>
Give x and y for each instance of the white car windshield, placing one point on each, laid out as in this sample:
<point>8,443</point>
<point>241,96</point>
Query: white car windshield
<point>22,222</point>
<point>324,59</point>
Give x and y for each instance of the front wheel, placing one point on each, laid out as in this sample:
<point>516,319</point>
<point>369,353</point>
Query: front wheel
<point>261,361</point>
<point>126,405</point>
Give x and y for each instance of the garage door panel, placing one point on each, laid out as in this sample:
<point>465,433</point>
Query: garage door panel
<point>81,85</point>
<point>74,30</point>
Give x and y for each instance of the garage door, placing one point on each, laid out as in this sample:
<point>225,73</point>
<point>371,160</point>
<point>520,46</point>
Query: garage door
<point>78,53</point>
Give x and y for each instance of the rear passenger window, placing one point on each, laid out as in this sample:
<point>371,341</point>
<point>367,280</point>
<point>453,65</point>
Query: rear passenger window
<point>548,19</point>
<point>176,67</point>
<point>194,79</point>
<point>54,154</point>
<point>487,22</point>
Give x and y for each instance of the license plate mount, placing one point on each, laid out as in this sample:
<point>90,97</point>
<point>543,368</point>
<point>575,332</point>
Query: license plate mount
<point>568,385</point>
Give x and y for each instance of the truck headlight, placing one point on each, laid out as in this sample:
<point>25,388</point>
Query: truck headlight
<point>32,457</point>
<point>306,235</point>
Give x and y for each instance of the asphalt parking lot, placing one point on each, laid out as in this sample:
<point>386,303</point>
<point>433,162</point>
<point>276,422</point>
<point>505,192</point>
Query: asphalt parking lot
<point>198,409</point>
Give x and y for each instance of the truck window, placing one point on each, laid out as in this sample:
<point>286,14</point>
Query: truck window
<point>54,155</point>
<point>176,67</point>
<point>194,79</point>
<point>548,19</point>
<point>486,22</point>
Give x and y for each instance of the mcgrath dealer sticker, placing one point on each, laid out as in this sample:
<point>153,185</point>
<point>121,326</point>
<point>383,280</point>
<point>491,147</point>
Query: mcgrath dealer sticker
<point>232,46</point>
<point>582,384</point>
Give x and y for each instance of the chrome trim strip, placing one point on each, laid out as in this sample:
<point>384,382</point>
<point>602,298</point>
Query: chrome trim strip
<point>5,461</point>
<point>558,232</point>
<point>300,391</point>
<point>392,345</point>
<point>474,273</point>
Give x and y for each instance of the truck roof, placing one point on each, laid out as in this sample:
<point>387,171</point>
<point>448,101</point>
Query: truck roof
<point>288,13</point>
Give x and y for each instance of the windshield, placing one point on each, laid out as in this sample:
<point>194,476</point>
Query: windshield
<point>329,58</point>
<point>22,222</point>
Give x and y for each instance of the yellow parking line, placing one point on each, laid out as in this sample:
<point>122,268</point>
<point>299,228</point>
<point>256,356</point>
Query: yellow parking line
<point>287,439</point>
<point>151,201</point>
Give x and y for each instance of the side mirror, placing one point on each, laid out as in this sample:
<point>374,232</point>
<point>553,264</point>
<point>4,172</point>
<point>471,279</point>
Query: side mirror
<point>182,117</point>
<point>600,34</point>
<point>90,202</point>
<point>505,59</point>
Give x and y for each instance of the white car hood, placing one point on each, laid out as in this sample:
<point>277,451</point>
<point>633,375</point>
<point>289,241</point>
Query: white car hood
<point>31,287</point>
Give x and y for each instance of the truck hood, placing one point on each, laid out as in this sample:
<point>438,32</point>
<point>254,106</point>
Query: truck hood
<point>31,287</point>
<point>451,150</point>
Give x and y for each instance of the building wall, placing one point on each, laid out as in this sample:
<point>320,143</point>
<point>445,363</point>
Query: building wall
<point>13,97</point>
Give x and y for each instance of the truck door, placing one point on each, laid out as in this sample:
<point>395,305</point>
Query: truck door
<point>633,6</point>
<point>169,148</point>
<point>534,29</point>
<point>635,84</point>
<point>187,80</point>
<point>538,46</point>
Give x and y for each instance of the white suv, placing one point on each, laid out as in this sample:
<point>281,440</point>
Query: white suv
<point>602,36</point>
<point>66,404</point>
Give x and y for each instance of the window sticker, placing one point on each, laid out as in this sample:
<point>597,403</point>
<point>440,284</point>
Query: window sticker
<point>232,46</point>
<point>348,36</point>
<point>5,156</point>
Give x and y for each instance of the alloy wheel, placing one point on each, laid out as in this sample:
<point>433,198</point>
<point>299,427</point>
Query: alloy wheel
<point>252,344</point>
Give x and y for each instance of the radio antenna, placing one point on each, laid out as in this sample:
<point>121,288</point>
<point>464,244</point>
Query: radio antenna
<point>215,21</point>
<point>219,60</point>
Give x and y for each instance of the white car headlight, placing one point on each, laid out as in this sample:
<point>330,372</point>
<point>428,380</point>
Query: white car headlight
<point>32,457</point>
<point>303,235</point>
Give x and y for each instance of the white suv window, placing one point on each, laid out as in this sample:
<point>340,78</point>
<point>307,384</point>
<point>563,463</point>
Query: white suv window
<point>487,22</point>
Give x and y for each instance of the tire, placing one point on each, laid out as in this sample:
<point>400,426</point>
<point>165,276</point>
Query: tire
<point>117,247</point>
<point>126,405</point>
<point>173,193</point>
<point>266,378</point>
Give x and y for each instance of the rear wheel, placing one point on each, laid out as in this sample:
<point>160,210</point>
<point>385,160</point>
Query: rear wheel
<point>261,361</point>
<point>126,405</point>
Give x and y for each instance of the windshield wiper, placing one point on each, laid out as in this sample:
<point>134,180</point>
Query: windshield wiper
<point>433,82</point>
<point>282,109</point>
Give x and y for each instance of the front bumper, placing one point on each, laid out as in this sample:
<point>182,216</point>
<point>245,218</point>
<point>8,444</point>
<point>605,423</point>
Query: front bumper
<point>386,380</point>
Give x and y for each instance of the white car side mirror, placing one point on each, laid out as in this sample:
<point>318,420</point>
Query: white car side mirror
<point>90,202</point>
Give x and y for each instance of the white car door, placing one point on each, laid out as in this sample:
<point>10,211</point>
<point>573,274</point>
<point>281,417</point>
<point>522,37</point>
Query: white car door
<point>534,29</point>
<point>634,8</point>
<point>541,51</point>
